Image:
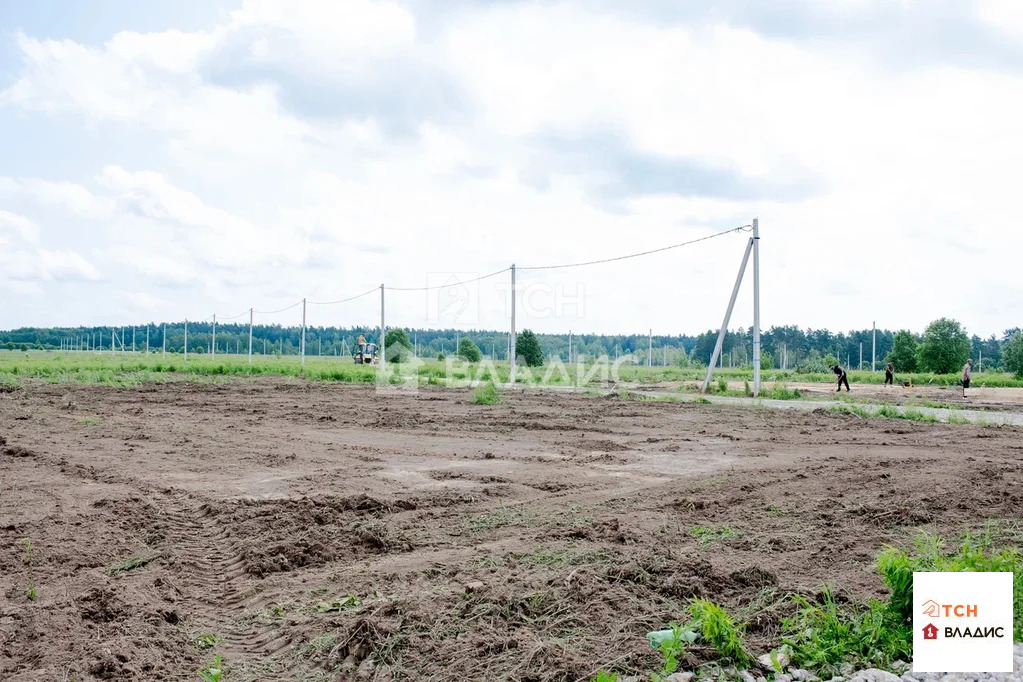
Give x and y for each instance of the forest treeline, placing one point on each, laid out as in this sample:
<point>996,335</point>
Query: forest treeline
<point>787,347</point>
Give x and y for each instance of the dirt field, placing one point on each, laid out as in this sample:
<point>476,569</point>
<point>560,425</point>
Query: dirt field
<point>538,539</point>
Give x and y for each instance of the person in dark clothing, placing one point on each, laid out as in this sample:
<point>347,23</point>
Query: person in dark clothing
<point>889,374</point>
<point>966,375</point>
<point>842,378</point>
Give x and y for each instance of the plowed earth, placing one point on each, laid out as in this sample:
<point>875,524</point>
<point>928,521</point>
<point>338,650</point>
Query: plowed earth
<point>538,539</point>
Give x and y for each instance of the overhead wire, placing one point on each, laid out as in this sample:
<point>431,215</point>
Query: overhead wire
<point>741,228</point>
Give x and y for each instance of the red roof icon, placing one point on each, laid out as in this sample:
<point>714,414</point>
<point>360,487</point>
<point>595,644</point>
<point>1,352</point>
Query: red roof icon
<point>930,631</point>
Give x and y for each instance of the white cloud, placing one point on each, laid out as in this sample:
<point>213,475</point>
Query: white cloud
<point>240,194</point>
<point>18,224</point>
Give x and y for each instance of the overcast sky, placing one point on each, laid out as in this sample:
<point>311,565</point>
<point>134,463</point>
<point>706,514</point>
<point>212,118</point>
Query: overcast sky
<point>168,160</point>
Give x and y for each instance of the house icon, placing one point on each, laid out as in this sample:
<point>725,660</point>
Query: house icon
<point>930,631</point>
<point>932,608</point>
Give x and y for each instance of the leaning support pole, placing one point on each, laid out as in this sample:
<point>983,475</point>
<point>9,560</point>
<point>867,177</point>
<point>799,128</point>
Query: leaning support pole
<point>728,316</point>
<point>756,307</point>
<point>250,336</point>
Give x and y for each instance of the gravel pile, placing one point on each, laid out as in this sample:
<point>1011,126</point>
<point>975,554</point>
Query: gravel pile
<point>870,675</point>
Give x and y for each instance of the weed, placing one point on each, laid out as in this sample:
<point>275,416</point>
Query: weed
<point>774,511</point>
<point>975,553</point>
<point>723,385</point>
<point>672,645</point>
<point>129,564</point>
<point>338,605</point>
<point>709,534</point>
<point>88,421</point>
<point>718,630</point>
<point>702,401</point>
<point>487,394</point>
<point>214,672</point>
<point>782,393</point>
<point>822,636</point>
<point>850,409</point>
<point>603,676</point>
<point>205,641</point>
<point>956,419</point>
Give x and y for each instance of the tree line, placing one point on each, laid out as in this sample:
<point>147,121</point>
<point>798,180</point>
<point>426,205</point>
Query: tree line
<point>943,347</point>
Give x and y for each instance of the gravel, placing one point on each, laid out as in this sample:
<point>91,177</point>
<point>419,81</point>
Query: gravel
<point>875,675</point>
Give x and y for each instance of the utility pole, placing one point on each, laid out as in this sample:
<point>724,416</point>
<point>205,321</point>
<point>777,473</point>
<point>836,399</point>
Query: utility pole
<point>511,337</point>
<point>756,307</point>
<point>133,339</point>
<point>570,346</point>
<point>861,356</point>
<point>164,339</point>
<point>650,349</point>
<point>250,337</point>
<point>186,339</point>
<point>383,350</point>
<point>213,345</point>
<point>302,343</point>
<point>147,338</point>
<point>873,348</point>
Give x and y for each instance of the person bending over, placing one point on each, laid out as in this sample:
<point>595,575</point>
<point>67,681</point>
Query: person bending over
<point>966,375</point>
<point>842,378</point>
<point>889,374</point>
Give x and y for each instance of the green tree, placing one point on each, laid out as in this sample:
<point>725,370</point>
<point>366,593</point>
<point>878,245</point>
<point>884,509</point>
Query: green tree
<point>527,347</point>
<point>766,361</point>
<point>1012,354</point>
<point>903,353</point>
<point>945,347</point>
<point>399,346</point>
<point>467,350</point>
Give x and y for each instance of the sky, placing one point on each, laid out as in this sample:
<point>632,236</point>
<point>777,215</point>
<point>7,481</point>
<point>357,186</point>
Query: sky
<point>163,161</point>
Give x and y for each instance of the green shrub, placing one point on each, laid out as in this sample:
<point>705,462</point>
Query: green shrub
<point>487,394</point>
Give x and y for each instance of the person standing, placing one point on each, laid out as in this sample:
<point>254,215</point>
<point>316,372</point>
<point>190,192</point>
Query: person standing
<point>842,378</point>
<point>966,375</point>
<point>889,374</point>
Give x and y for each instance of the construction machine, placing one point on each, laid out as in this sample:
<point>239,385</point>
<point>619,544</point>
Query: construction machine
<point>365,354</point>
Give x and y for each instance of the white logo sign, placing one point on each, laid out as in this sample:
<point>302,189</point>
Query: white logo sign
<point>962,622</point>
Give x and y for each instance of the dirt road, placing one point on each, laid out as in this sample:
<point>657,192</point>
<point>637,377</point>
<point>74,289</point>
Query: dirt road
<point>538,539</point>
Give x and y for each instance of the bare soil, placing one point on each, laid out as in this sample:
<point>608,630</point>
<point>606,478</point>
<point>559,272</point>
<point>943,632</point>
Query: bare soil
<point>538,539</point>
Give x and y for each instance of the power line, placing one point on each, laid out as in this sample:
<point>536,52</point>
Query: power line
<point>454,284</point>
<point>281,310</point>
<point>345,300</point>
<point>741,228</point>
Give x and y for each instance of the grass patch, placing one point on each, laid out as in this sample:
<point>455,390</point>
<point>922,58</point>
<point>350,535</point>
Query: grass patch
<point>487,394</point>
<point>88,421</point>
<point>498,518</point>
<point>214,672</point>
<point>129,564</point>
<point>782,392</point>
<point>709,534</point>
<point>349,603</point>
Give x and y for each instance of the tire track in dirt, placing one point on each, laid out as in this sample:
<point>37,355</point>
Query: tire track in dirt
<point>213,564</point>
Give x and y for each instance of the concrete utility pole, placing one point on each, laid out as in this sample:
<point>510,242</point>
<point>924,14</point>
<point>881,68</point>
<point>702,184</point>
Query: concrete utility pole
<point>873,348</point>
<point>250,337</point>
<point>570,346</point>
<point>164,339</point>
<point>511,337</point>
<point>133,339</point>
<point>186,338</point>
<point>303,333</point>
<point>756,307</point>
<point>383,350</point>
<point>861,356</point>
<point>213,343</point>
<point>650,349</point>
